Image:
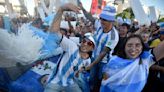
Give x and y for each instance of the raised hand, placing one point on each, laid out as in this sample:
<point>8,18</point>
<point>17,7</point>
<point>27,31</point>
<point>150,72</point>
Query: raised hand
<point>70,7</point>
<point>55,27</point>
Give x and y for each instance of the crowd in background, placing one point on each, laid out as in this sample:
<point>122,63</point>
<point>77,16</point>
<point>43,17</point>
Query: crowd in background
<point>151,35</point>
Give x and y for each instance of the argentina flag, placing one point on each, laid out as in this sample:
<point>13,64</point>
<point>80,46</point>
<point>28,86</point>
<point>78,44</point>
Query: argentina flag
<point>50,46</point>
<point>126,75</point>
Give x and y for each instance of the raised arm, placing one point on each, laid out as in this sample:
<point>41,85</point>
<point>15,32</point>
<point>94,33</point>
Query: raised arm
<point>87,15</point>
<point>55,27</point>
<point>105,51</point>
<point>159,51</point>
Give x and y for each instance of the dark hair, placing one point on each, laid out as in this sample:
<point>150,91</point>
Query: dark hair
<point>90,54</point>
<point>122,53</point>
<point>133,29</point>
<point>127,25</point>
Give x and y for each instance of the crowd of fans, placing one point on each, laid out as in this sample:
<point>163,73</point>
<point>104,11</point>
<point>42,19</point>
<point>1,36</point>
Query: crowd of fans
<point>111,38</point>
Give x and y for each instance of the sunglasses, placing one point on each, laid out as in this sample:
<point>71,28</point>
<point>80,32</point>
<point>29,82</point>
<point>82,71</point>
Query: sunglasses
<point>90,43</point>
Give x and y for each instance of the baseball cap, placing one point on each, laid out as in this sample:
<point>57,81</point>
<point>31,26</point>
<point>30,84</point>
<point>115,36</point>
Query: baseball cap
<point>90,37</point>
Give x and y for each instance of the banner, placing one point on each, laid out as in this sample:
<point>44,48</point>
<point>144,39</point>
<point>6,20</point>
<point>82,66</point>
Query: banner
<point>32,80</point>
<point>94,6</point>
<point>153,16</point>
<point>139,12</point>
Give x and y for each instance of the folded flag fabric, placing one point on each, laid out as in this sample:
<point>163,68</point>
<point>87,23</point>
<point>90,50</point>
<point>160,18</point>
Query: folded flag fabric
<point>31,80</point>
<point>126,75</point>
<point>50,47</point>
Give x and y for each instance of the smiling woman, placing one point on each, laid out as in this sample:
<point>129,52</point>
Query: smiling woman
<point>128,71</point>
<point>133,48</point>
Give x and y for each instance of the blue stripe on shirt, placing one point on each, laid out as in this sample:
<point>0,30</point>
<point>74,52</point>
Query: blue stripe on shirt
<point>68,64</point>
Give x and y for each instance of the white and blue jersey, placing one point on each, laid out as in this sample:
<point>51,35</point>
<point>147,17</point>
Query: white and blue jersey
<point>102,39</point>
<point>70,59</point>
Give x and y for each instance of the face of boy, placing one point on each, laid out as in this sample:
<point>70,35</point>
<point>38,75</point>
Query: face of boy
<point>86,45</point>
<point>106,25</point>
<point>123,31</point>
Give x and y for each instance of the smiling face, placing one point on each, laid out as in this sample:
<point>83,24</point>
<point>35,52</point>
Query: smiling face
<point>86,45</point>
<point>133,48</point>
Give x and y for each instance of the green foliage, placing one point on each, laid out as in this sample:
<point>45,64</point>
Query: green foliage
<point>161,20</point>
<point>127,13</point>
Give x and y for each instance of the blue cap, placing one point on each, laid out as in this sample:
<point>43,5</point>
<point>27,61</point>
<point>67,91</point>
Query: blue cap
<point>108,13</point>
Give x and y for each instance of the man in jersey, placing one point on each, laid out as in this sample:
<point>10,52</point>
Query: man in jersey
<point>106,37</point>
<point>62,80</point>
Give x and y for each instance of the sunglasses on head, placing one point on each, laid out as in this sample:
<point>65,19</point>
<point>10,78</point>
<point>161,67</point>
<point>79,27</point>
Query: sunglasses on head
<point>90,43</point>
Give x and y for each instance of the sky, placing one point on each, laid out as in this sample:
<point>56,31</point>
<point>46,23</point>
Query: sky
<point>157,3</point>
<point>30,6</point>
<point>86,4</point>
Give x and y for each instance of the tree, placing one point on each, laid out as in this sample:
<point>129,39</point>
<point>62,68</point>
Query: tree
<point>127,13</point>
<point>161,20</point>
